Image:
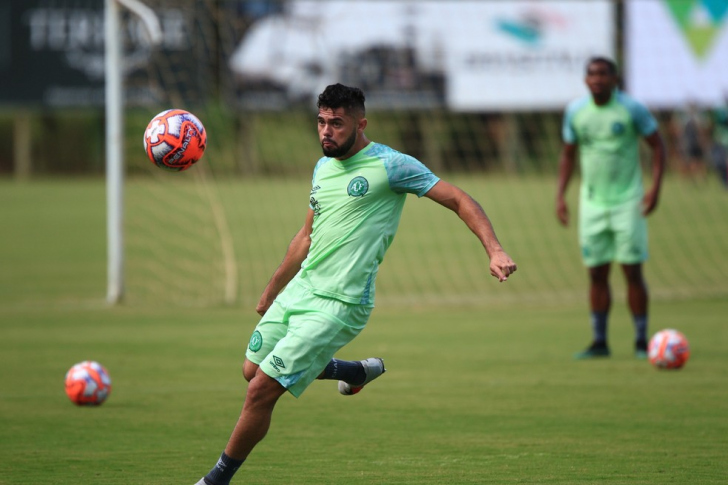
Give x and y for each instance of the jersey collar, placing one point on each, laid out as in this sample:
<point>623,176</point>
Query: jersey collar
<point>356,157</point>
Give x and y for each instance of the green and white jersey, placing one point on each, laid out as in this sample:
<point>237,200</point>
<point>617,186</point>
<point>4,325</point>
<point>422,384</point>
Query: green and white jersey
<point>357,205</point>
<point>608,138</point>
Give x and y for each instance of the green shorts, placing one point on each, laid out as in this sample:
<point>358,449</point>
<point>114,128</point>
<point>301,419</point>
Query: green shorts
<point>617,233</point>
<point>300,333</point>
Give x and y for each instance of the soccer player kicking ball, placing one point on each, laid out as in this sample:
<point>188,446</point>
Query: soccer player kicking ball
<point>607,125</point>
<point>357,195</point>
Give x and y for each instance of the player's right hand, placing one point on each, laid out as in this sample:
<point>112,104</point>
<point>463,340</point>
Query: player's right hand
<point>502,266</point>
<point>562,212</point>
<point>264,304</point>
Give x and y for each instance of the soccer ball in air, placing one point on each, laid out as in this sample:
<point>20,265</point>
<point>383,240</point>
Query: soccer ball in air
<point>88,383</point>
<point>175,140</point>
<point>668,349</point>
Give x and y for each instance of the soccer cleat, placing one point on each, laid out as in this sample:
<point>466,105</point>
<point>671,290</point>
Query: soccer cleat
<point>640,350</point>
<point>373,368</point>
<point>201,482</point>
<point>595,350</point>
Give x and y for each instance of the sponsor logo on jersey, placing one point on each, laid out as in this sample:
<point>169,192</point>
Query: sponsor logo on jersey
<point>313,202</point>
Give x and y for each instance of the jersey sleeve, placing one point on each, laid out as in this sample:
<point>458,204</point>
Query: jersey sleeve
<point>321,161</point>
<point>406,174</point>
<point>644,122</point>
<point>568,134</point>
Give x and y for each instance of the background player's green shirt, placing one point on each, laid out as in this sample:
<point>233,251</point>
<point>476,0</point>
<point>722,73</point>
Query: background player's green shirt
<point>608,138</point>
<point>357,205</point>
<point>720,126</point>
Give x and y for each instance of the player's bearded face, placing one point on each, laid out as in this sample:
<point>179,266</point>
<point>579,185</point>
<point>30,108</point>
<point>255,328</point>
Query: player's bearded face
<point>337,132</point>
<point>333,149</point>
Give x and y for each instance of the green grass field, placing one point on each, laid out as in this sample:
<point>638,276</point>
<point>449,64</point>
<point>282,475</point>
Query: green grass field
<point>478,390</point>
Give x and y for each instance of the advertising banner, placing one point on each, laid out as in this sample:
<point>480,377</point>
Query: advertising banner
<point>52,54</point>
<point>524,55</point>
<point>677,52</point>
<point>464,55</point>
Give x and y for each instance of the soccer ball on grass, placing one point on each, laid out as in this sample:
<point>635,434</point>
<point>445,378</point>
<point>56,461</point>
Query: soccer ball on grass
<point>668,349</point>
<point>175,140</point>
<point>88,383</point>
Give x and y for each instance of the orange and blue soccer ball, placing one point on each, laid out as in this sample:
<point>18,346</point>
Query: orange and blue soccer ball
<point>88,383</point>
<point>175,140</point>
<point>668,349</point>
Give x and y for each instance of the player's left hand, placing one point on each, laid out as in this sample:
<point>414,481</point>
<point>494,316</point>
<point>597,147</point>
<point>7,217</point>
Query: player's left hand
<point>502,266</point>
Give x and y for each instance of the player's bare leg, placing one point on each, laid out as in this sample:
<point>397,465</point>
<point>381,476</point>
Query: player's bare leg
<point>263,393</point>
<point>252,426</point>
<point>600,294</point>
<point>638,301</point>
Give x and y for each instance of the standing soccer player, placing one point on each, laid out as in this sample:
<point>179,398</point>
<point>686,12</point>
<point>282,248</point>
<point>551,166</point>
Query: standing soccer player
<point>606,126</point>
<point>358,191</point>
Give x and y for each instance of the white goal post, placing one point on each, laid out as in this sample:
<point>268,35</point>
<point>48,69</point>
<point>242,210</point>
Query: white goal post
<point>114,134</point>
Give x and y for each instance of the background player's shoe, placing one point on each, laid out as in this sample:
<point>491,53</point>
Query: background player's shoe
<point>373,368</point>
<point>595,350</point>
<point>640,350</point>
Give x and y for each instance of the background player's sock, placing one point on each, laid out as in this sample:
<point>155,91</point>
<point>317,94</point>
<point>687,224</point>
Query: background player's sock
<point>351,371</point>
<point>640,328</point>
<point>599,326</point>
<point>223,471</point>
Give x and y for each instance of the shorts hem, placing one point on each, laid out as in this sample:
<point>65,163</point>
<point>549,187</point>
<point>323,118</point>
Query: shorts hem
<point>637,261</point>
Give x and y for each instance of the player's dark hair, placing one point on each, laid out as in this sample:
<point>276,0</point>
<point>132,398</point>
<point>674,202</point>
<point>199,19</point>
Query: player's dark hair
<point>340,96</point>
<point>611,65</point>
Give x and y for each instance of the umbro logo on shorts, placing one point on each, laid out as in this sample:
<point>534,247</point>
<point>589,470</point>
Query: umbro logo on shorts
<point>277,362</point>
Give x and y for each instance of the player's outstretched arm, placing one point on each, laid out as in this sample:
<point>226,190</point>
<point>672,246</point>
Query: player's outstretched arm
<point>567,160</point>
<point>455,199</point>
<point>296,253</point>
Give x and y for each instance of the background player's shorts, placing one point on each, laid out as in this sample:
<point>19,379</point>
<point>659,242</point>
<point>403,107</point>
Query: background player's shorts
<point>617,233</point>
<point>300,333</point>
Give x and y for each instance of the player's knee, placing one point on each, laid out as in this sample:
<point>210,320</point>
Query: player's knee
<point>599,275</point>
<point>249,370</point>
<point>633,274</point>
<point>635,279</point>
<point>263,391</point>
